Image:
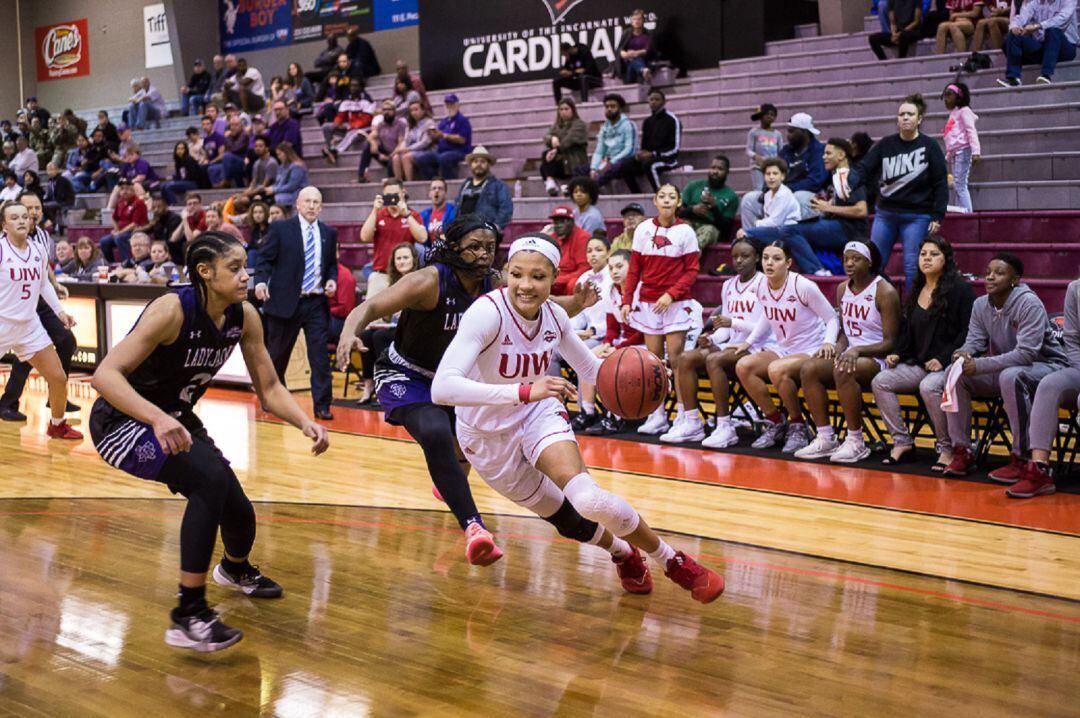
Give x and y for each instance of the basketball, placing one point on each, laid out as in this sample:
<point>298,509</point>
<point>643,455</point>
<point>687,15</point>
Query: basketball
<point>632,382</point>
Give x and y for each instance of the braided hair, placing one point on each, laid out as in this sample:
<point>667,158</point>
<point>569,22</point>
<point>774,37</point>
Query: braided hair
<point>447,250</point>
<point>206,249</point>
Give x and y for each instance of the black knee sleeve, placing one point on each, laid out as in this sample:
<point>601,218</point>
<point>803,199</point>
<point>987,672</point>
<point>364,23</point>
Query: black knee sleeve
<point>571,524</point>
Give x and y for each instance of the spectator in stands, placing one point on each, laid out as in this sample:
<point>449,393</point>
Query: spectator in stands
<point>148,106</point>
<point>133,267</point>
<point>995,21</point>
<point>342,302</point>
<point>62,134</point>
<point>130,212</point>
<point>617,140</point>
<point>88,261</point>
<point>861,143</point>
<point>362,54</point>
<point>905,19</point>
<point>762,142</point>
<point>870,321</point>
<point>218,74</point>
<point>404,95</point>
<point>187,174</point>
<point>1043,31</point>
<point>382,141</point>
<point>220,165</point>
<point>963,15</point>
<point>1010,344</point>
<point>661,138</point>
<point>164,224</point>
<point>584,194</point>
<point>440,214</point>
<point>913,188</point>
<point>292,175</point>
<point>33,109</point>
<point>285,129</point>
<point>59,197</point>
<point>31,183</point>
<point>65,254</point>
<point>401,69</point>
<point>591,327</point>
<point>11,189</point>
<point>216,222</point>
<point>453,140</point>
<point>390,223</point>
<point>565,146</point>
<point>352,119</point>
<point>842,214</point>
<point>327,59</point>
<point>283,92</point>
<point>632,214</point>
<point>806,174</point>
<point>193,223</point>
<point>109,132</point>
<point>74,157</point>
<point>264,169</point>
<point>1054,392</point>
<point>258,224</point>
<point>346,72</point>
<point>709,205</point>
<point>934,325</point>
<point>301,86</point>
<point>220,123</point>
<point>962,150</point>
<point>484,194</point>
<point>417,139</point>
<point>573,245</point>
<point>88,173</point>
<point>237,143</point>
<point>6,133</point>
<point>138,170</point>
<point>193,94</point>
<point>245,89</point>
<point>162,268</point>
<point>75,121</point>
<point>780,207</point>
<point>635,51</point>
<point>579,71</point>
<point>24,159</point>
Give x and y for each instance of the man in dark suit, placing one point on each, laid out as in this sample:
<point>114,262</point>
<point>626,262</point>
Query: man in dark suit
<point>296,272</point>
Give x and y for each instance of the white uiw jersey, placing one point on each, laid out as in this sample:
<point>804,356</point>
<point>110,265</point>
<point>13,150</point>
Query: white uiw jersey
<point>740,304</point>
<point>860,315</point>
<point>799,315</point>
<point>495,351</point>
<point>22,274</point>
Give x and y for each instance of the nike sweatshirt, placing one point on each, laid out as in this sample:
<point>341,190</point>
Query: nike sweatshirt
<point>912,175</point>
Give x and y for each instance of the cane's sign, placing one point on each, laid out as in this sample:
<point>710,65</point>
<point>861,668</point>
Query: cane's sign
<point>62,50</point>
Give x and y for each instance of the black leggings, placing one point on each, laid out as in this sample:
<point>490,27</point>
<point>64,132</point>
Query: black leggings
<point>433,428</point>
<point>376,340</point>
<point>215,498</point>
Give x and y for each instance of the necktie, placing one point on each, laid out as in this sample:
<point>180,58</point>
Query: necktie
<point>311,271</point>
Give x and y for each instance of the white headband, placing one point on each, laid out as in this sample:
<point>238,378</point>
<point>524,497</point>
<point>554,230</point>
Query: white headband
<point>535,244</point>
<point>861,248</point>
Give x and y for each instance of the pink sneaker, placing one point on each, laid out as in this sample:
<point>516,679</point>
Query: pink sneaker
<point>436,494</point>
<point>480,546</point>
<point>704,585</point>
<point>634,573</point>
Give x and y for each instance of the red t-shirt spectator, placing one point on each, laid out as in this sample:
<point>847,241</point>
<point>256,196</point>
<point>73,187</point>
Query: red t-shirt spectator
<point>390,231</point>
<point>197,221</point>
<point>132,212</point>
<point>573,262</point>
<point>343,300</point>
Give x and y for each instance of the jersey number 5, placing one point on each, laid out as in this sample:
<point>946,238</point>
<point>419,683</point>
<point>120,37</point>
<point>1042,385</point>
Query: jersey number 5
<point>25,292</point>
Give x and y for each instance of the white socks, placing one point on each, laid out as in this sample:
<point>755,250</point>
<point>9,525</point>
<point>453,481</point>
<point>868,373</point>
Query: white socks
<point>588,407</point>
<point>856,436</point>
<point>663,554</point>
<point>56,422</point>
<point>826,432</point>
<point>619,548</point>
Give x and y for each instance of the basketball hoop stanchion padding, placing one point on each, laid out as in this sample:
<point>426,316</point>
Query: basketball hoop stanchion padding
<point>632,382</point>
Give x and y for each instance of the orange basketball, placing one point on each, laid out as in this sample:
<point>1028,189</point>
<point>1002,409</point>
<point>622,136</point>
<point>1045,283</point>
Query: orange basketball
<point>632,382</point>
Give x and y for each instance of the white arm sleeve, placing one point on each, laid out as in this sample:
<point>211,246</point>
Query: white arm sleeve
<point>821,307</point>
<point>742,325</point>
<point>574,351</point>
<point>760,331</point>
<point>48,293</point>
<point>452,387</point>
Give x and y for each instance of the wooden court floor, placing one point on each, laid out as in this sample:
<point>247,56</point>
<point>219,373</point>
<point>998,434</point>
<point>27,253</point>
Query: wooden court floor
<point>850,592</point>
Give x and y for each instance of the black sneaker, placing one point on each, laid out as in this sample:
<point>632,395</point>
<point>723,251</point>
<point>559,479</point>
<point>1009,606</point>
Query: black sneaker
<point>203,632</point>
<point>71,407</point>
<point>12,415</point>
<point>607,426</point>
<point>583,421</point>
<point>250,582</point>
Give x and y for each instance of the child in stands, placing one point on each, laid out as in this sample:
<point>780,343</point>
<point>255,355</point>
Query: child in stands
<point>962,149</point>
<point>762,142</point>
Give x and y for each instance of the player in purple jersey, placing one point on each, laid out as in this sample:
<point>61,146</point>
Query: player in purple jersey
<point>144,424</point>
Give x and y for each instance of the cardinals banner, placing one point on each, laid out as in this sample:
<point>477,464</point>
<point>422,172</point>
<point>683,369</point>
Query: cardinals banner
<point>63,50</point>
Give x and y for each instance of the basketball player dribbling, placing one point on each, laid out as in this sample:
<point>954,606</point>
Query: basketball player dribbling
<point>24,278</point>
<point>431,301</point>
<point>514,429</point>
<point>144,423</point>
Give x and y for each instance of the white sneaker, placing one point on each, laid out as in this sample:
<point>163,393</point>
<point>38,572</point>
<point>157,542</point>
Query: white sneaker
<point>657,423</point>
<point>822,272</point>
<point>819,448</point>
<point>551,187</point>
<point>796,437</point>
<point>723,437</point>
<point>850,452</point>
<point>689,429</point>
<point>1043,80</point>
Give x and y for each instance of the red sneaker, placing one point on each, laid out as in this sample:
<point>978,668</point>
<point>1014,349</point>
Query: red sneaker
<point>480,546</point>
<point>1010,473</point>
<point>63,430</point>
<point>1033,482</point>
<point>963,462</point>
<point>634,573</point>
<point>704,585</point>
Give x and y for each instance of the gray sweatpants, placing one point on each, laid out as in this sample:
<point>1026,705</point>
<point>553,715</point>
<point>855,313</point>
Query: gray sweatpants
<point>1015,385</point>
<point>906,378</point>
<point>1055,391</point>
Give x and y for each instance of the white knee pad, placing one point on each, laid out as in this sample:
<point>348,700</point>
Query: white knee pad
<point>609,510</point>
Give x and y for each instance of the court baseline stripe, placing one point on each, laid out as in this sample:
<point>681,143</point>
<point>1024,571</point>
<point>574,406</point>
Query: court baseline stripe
<point>779,568</point>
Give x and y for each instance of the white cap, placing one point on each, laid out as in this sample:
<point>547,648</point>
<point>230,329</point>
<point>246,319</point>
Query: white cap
<point>804,122</point>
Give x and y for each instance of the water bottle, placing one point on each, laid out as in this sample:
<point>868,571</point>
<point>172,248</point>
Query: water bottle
<point>517,189</point>
<point>174,278</point>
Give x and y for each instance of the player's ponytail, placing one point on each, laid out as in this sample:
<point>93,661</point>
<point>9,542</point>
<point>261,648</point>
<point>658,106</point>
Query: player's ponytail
<point>206,249</point>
